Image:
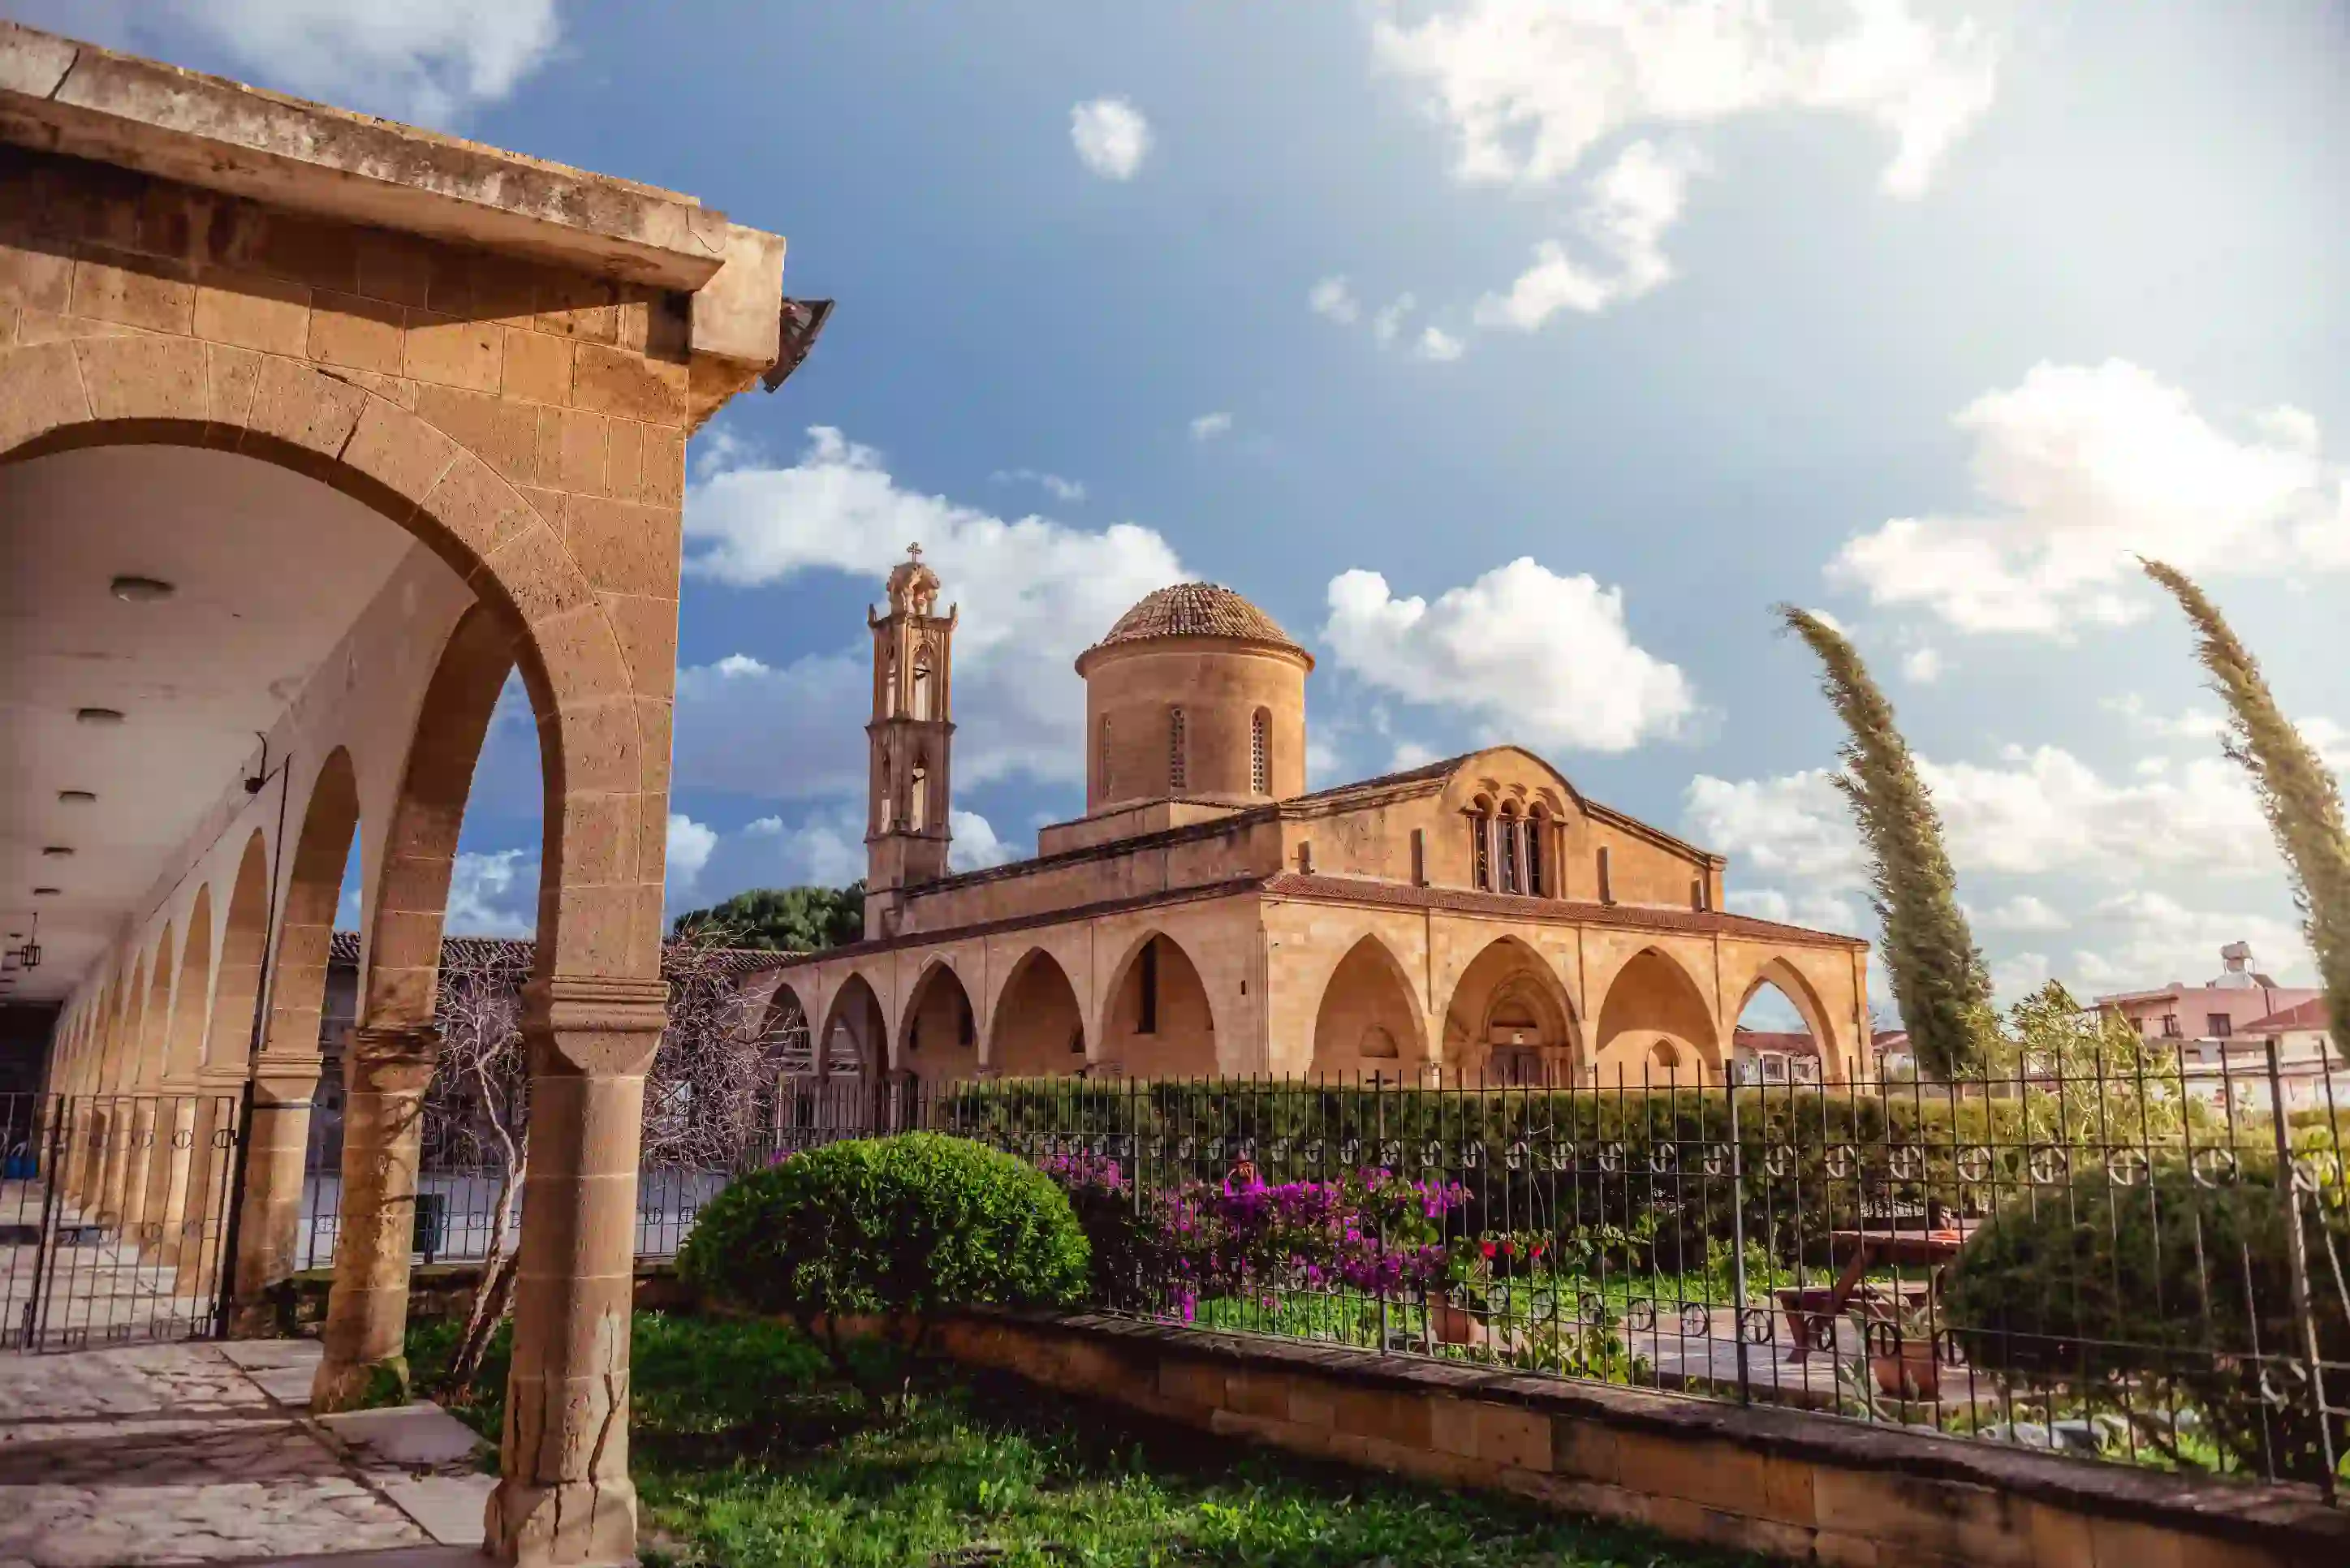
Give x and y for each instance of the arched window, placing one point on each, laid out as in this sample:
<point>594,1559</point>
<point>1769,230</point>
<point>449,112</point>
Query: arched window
<point>890,686</point>
<point>1507,832</point>
<point>922,681</point>
<point>1537,826</point>
<point>918,799</point>
<point>1104,768</point>
<point>1178,765</point>
<point>1480,843</point>
<point>1260,752</point>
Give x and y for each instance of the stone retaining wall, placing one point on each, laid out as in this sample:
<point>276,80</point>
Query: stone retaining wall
<point>1790,1484</point>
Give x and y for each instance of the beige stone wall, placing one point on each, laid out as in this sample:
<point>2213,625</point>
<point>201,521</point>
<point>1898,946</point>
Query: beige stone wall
<point>1786,1484</point>
<point>1220,685</point>
<point>1193,858</point>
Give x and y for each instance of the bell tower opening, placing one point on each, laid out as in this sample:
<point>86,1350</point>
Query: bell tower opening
<point>912,732</point>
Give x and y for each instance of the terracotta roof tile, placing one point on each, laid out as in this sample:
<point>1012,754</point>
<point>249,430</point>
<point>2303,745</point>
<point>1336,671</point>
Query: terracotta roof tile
<point>1463,900</point>
<point>1196,609</point>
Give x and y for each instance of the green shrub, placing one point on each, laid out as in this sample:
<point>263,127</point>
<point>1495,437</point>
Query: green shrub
<point>2149,1297</point>
<point>904,1227</point>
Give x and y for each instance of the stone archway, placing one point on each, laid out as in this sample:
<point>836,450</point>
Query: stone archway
<point>1655,1027</point>
<point>938,1043</point>
<point>1511,1021</point>
<point>1158,1022</point>
<point>1368,1024</point>
<point>1768,1051</point>
<point>1039,1031</point>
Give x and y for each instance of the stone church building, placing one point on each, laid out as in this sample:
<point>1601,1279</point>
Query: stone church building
<point>1477,919</point>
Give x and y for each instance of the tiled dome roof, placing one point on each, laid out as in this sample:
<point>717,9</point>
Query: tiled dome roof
<point>1196,609</point>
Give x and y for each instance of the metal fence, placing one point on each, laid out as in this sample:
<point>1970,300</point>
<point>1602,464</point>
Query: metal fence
<point>113,1216</point>
<point>2143,1261</point>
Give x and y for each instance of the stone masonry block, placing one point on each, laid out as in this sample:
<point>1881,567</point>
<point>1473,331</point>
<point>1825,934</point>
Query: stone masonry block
<point>298,404</point>
<point>599,747</point>
<point>502,435</point>
<point>137,291</point>
<point>452,351</point>
<point>571,451</point>
<point>353,330</point>
<point>1508,1435</point>
<point>1452,1425</point>
<point>254,310</point>
<point>626,548</point>
<point>35,279</point>
<point>1192,1383</point>
<point>1970,1523</point>
<point>398,449</point>
<point>536,367</point>
<point>582,656</point>
<point>1584,1449</point>
<point>1400,1419</point>
<point>230,374</point>
<point>1714,1474</point>
<point>1312,1404</point>
<point>613,381</point>
<point>144,378</point>
<point>624,459</point>
<point>1258,1394</point>
<point>39,389</point>
<point>487,515</point>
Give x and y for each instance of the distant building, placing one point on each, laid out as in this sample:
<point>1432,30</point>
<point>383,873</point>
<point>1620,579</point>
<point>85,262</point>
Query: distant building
<point>2222,1029</point>
<point>1774,1056</point>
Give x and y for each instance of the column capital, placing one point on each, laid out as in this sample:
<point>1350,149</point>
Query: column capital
<point>392,1042</point>
<point>594,1025</point>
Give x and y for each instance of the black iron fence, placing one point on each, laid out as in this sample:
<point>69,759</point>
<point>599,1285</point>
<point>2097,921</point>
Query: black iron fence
<point>113,1216</point>
<point>2146,1262</point>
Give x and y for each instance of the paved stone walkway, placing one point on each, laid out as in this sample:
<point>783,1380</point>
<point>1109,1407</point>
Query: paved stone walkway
<point>206,1453</point>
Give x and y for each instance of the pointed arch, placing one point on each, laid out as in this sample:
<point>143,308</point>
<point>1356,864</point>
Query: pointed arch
<point>937,1040</point>
<point>155,1019</point>
<point>1789,982</point>
<point>1368,1020</point>
<point>1511,1020</point>
<point>787,1032</point>
<point>236,985</point>
<point>1654,1023</point>
<point>306,923</point>
<point>1039,1030</point>
<point>190,998</point>
<point>419,852</point>
<point>1158,1022</point>
<point>854,1040</point>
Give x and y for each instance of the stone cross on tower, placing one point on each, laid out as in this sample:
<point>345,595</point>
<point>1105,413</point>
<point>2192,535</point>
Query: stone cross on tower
<point>911,734</point>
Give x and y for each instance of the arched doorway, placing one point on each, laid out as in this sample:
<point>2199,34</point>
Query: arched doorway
<point>1160,1023</point>
<point>1655,1027</point>
<point>1368,1024</point>
<point>939,1040</point>
<point>1511,1021</point>
<point>1039,1031</point>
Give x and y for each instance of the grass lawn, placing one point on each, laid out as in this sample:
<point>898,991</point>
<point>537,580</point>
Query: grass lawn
<point>748,1451</point>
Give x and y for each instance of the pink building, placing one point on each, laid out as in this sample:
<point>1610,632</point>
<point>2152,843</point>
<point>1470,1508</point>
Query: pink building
<point>2221,1029</point>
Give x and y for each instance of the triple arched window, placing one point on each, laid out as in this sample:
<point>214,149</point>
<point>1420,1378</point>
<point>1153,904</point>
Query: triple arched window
<point>1508,851</point>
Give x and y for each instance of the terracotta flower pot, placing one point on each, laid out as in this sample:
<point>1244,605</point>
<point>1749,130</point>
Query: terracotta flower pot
<point>1457,1324</point>
<point>1908,1373</point>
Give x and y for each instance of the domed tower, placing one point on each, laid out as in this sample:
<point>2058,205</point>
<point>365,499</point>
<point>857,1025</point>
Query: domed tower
<point>911,734</point>
<point>1197,695</point>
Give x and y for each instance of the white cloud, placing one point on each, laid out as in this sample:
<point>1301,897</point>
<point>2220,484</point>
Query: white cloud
<point>2082,468</point>
<point>494,895</point>
<point>1111,136</point>
<point>1333,297</point>
<point>1624,219</point>
<point>1817,910</point>
<point>690,843</point>
<point>424,60</point>
<point>2035,812</point>
<point>1053,484</point>
<point>1530,86</point>
<point>1439,346</point>
<point>974,846</point>
<point>1470,650</point>
<point>825,850</point>
<point>2024,912</point>
<point>1208,427</point>
<point>2158,940</point>
<point>1923,665</point>
<point>1389,322</point>
<point>1034,594</point>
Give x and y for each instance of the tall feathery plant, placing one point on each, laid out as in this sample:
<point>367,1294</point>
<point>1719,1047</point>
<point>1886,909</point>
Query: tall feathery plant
<point>2297,790</point>
<point>1940,981</point>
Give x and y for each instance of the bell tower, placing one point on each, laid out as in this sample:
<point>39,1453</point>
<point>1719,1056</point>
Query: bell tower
<point>912,735</point>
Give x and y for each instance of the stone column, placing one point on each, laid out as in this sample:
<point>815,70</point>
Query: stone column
<point>269,1208</point>
<point>121,1123</point>
<point>167,1182</point>
<point>211,1166</point>
<point>385,1073</point>
<point>563,1495</point>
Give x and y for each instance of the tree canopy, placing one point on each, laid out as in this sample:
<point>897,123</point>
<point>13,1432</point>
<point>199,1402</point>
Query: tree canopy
<point>785,919</point>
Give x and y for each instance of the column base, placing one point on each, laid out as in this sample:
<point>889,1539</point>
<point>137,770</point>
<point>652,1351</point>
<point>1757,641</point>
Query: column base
<point>577,1524</point>
<point>356,1384</point>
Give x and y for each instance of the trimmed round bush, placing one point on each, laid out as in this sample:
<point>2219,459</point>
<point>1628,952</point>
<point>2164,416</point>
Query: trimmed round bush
<point>2158,1294</point>
<point>905,1227</point>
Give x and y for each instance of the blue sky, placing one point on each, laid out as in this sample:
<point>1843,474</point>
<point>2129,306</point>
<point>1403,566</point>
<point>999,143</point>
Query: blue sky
<point>1517,358</point>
